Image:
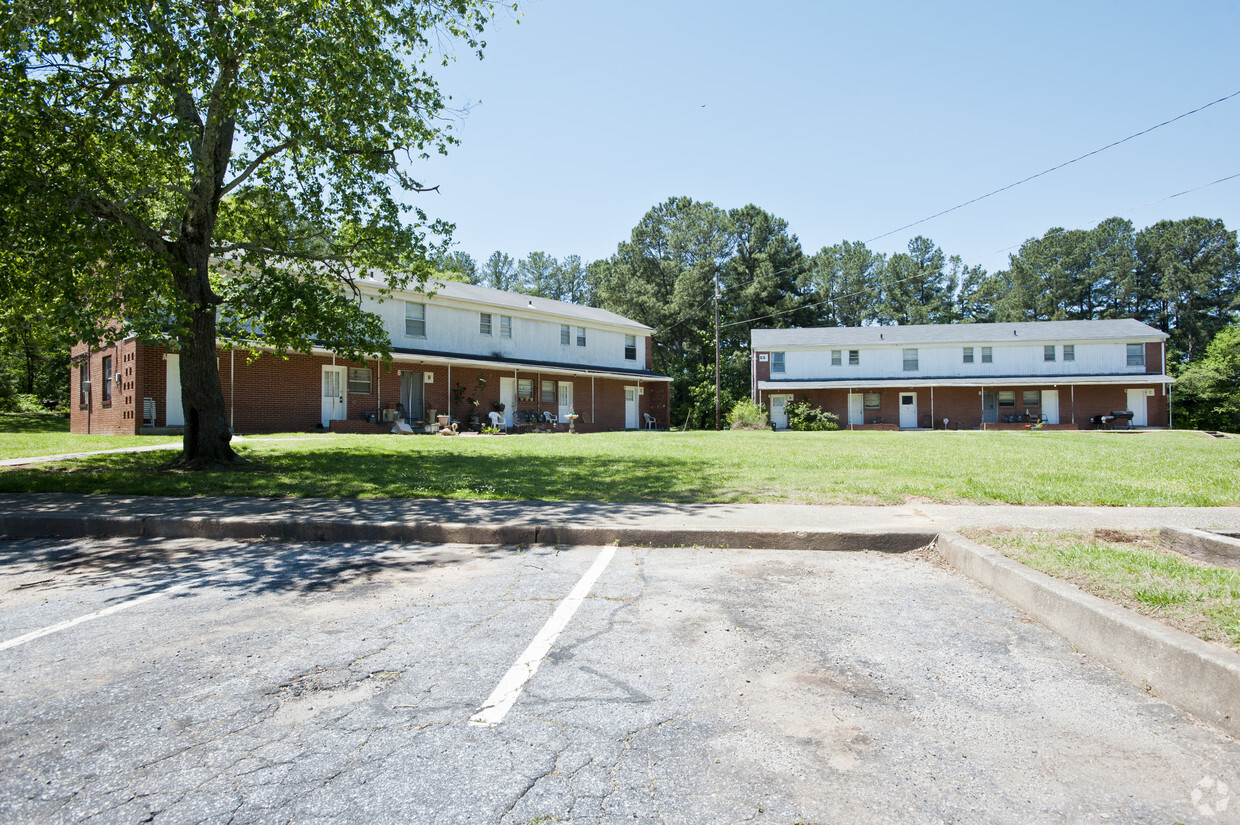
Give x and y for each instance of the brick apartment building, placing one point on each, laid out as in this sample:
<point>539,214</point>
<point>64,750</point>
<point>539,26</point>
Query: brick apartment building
<point>533,354</point>
<point>1060,374</point>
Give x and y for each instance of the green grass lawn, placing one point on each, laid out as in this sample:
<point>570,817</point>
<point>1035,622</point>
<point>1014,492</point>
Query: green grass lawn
<point>843,467</point>
<point>1131,570</point>
<point>34,434</point>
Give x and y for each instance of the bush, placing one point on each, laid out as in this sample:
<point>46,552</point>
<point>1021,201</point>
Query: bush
<point>746,415</point>
<point>803,415</point>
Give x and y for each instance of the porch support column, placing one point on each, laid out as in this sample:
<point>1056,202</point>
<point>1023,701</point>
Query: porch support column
<point>981,394</point>
<point>449,401</point>
<point>232,391</point>
<point>932,406</point>
<point>516,396</point>
<point>1072,395</point>
<point>593,412</point>
<point>850,395</point>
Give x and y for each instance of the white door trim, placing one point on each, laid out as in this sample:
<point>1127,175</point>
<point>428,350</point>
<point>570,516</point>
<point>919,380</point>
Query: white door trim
<point>332,394</point>
<point>174,409</point>
<point>908,412</point>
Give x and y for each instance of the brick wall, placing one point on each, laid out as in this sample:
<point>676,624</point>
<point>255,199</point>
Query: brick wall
<point>122,413</point>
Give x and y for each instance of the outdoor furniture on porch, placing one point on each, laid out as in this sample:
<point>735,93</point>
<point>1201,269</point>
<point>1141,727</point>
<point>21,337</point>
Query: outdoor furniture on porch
<point>497,419</point>
<point>650,422</point>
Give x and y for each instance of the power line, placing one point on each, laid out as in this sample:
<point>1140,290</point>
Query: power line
<point>1055,168</point>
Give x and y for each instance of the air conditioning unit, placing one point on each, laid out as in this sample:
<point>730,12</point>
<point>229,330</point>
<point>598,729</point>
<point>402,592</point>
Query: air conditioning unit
<point>118,378</point>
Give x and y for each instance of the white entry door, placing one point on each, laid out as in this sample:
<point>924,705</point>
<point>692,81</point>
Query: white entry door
<point>1136,403</point>
<point>176,410</point>
<point>908,410</point>
<point>333,394</point>
<point>508,397</point>
<point>630,408</point>
<point>566,399</point>
<point>1050,406</point>
<point>856,409</point>
<point>779,415</point>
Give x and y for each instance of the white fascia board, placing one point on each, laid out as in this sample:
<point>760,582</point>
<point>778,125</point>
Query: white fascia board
<point>600,372</point>
<point>1026,381</point>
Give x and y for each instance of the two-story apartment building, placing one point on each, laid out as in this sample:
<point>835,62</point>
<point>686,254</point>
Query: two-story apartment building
<point>532,354</point>
<point>1060,373</point>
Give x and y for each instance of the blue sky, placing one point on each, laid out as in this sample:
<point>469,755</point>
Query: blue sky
<point>847,120</point>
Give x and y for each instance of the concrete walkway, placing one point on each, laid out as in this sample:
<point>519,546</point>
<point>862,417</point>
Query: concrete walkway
<point>527,522</point>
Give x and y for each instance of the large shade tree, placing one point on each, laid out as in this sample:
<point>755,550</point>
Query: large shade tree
<point>187,169</point>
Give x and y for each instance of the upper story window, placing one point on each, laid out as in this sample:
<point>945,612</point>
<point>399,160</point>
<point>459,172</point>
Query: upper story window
<point>777,362</point>
<point>566,335</point>
<point>581,336</point>
<point>1069,352</point>
<point>854,357</point>
<point>505,326</point>
<point>837,357</point>
<point>415,320</point>
<point>484,323</point>
<point>968,355</point>
<point>987,355</point>
<point>359,381</point>
<point>1048,352</point>
<point>1136,355</point>
<point>107,379</point>
<point>910,360</point>
<point>630,348</point>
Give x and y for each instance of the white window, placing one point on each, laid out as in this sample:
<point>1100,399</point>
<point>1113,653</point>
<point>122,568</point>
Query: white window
<point>359,380</point>
<point>415,320</point>
<point>548,392</point>
<point>777,362</point>
<point>968,355</point>
<point>910,360</point>
<point>854,357</point>
<point>566,335</point>
<point>1048,352</point>
<point>837,357</point>
<point>1069,352</point>
<point>581,336</point>
<point>484,323</point>
<point>525,389</point>
<point>107,379</point>
<point>1136,355</point>
<point>505,326</point>
<point>987,356</point>
<point>630,348</point>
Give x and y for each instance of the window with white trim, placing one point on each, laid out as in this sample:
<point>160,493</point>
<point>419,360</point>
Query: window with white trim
<point>630,348</point>
<point>1069,352</point>
<point>1048,352</point>
<point>1136,355</point>
<point>505,326</point>
<point>1031,398</point>
<point>415,320</point>
<point>548,392</point>
<point>777,362</point>
<point>872,400</point>
<point>987,355</point>
<point>1007,398</point>
<point>84,382</point>
<point>854,357</point>
<point>581,336</point>
<point>968,355</point>
<point>910,360</point>
<point>566,335</point>
<point>525,389</point>
<point>837,357</point>
<point>107,379</point>
<point>484,323</point>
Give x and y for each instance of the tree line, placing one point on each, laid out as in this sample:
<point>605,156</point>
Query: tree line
<point>1180,276</point>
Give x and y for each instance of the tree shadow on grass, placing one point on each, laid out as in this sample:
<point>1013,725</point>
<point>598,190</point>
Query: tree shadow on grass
<point>343,473</point>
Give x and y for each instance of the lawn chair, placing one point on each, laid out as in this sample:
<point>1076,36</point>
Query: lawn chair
<point>650,422</point>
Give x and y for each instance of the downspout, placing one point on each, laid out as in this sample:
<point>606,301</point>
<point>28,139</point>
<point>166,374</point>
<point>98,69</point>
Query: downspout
<point>593,414</point>
<point>1072,395</point>
<point>753,376</point>
<point>932,406</point>
<point>379,393</point>
<point>982,394</point>
<point>850,395</point>
<point>89,390</point>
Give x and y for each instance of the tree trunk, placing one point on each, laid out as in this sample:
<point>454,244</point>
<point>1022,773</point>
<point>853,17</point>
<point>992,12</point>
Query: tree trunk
<point>207,436</point>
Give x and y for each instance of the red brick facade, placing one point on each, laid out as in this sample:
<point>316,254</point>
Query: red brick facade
<point>962,406</point>
<point>273,394</point>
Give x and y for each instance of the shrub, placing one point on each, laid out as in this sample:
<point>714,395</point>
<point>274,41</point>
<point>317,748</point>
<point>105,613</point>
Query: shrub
<point>746,415</point>
<point>802,415</point>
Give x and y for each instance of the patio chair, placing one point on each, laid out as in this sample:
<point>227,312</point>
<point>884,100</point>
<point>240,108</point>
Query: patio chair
<point>497,419</point>
<point>650,422</point>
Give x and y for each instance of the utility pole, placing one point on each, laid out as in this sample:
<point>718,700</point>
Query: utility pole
<point>716,349</point>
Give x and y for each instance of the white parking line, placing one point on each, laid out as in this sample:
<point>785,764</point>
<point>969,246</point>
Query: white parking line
<point>505,694</point>
<point>107,611</point>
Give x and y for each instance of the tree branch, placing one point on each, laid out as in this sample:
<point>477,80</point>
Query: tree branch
<point>258,161</point>
<point>118,214</point>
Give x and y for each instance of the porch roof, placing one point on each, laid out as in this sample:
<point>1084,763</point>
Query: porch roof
<point>407,354</point>
<point>1137,379</point>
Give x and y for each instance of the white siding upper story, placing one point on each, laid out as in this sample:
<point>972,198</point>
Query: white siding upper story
<point>959,351</point>
<point>455,320</point>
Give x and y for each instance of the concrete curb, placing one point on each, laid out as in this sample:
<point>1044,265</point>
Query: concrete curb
<point>1193,675</point>
<point>287,529</point>
<point>1204,545</point>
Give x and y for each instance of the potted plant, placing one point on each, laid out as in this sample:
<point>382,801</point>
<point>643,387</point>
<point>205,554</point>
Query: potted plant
<point>498,406</point>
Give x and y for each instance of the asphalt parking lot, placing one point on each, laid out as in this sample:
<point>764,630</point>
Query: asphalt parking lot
<point>190,681</point>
